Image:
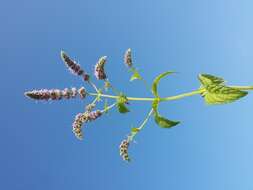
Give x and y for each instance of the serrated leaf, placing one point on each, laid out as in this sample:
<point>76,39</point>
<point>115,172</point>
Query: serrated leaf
<point>215,92</point>
<point>221,94</point>
<point>157,80</point>
<point>163,122</point>
<point>207,79</point>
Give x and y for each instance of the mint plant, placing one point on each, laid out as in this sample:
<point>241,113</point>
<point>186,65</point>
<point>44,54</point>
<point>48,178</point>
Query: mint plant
<point>213,90</point>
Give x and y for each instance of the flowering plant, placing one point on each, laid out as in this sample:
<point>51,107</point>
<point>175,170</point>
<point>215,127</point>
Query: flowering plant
<point>213,89</point>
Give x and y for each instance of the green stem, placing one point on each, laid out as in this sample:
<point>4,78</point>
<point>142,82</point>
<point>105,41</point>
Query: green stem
<point>116,97</point>
<point>115,91</point>
<point>108,108</point>
<point>146,120</point>
<point>94,86</point>
<point>243,87</point>
<point>180,96</point>
<point>169,98</point>
<point>152,99</point>
<point>131,137</point>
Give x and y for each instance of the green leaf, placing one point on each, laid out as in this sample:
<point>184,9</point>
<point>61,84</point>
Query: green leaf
<point>122,108</point>
<point>207,79</point>
<point>216,92</point>
<point>136,75</point>
<point>163,122</point>
<point>121,101</point>
<point>157,80</point>
<point>221,94</point>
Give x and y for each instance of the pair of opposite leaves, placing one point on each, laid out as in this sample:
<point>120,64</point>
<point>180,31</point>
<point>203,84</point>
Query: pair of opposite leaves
<point>212,89</point>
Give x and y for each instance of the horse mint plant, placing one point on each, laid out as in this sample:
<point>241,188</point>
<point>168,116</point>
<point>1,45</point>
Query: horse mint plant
<point>213,90</point>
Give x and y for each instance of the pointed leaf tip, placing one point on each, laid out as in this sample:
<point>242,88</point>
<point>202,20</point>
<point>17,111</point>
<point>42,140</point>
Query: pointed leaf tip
<point>157,80</point>
<point>165,123</point>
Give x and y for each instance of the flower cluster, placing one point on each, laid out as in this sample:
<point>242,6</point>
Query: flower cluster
<point>123,150</point>
<point>99,71</point>
<point>77,126</point>
<point>73,66</point>
<point>56,94</point>
<point>82,118</point>
<point>88,115</point>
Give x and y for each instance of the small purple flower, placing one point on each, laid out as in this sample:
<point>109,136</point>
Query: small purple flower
<point>99,71</point>
<point>93,115</point>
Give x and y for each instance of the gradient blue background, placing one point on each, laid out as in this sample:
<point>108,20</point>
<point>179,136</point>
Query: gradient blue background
<point>211,149</point>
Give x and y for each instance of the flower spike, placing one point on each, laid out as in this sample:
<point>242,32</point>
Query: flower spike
<point>128,58</point>
<point>56,94</point>
<point>73,66</point>
<point>123,150</point>
<point>82,118</point>
<point>99,71</point>
<point>78,124</point>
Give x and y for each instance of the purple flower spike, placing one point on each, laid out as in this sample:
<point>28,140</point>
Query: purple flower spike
<point>81,119</point>
<point>77,125</point>
<point>56,94</point>
<point>128,58</point>
<point>73,66</point>
<point>123,150</point>
<point>99,69</point>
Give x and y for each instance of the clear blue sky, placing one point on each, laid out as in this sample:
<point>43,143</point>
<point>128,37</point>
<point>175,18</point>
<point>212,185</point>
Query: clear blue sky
<point>211,149</point>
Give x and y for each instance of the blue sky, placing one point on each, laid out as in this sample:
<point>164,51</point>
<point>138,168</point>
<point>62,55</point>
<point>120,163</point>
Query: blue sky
<point>212,147</point>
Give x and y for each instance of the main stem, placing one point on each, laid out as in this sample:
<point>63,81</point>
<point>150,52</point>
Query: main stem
<point>169,98</point>
<point>151,99</point>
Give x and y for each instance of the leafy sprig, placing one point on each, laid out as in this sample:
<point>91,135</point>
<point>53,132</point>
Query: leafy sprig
<point>213,89</point>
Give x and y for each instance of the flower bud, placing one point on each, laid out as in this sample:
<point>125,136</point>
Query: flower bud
<point>82,92</point>
<point>128,58</point>
<point>99,71</point>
